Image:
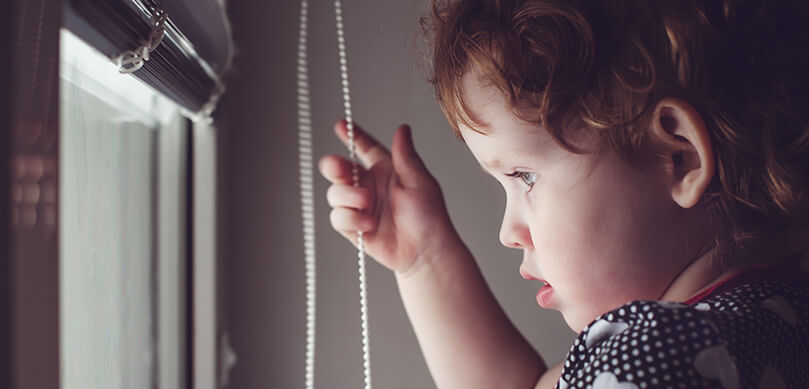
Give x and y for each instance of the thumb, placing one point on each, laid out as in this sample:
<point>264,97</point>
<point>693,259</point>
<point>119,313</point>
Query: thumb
<point>406,162</point>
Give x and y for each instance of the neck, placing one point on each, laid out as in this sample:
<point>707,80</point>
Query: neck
<point>703,272</point>
<point>707,270</point>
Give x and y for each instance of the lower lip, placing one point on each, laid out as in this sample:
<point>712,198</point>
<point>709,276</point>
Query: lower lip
<point>544,296</point>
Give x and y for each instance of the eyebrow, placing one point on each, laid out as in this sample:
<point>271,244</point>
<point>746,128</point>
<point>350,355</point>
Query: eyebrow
<point>495,164</point>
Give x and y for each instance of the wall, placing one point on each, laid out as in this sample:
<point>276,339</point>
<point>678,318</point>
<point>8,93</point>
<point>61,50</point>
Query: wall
<point>6,269</point>
<point>260,247</point>
<point>33,278</point>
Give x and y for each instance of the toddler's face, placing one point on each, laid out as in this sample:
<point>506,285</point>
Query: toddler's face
<point>597,230</point>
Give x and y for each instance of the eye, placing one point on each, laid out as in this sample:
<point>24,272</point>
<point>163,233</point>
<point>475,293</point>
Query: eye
<point>527,178</point>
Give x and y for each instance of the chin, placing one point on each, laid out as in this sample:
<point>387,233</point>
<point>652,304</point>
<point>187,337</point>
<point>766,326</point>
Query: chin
<point>572,322</point>
<point>576,320</point>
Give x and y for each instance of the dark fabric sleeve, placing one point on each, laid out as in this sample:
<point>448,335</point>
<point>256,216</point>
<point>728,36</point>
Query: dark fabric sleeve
<point>648,344</point>
<point>753,336</point>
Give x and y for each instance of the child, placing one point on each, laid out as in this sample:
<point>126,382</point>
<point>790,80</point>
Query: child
<point>654,156</point>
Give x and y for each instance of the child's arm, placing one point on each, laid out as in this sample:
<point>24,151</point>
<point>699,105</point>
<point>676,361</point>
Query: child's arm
<point>467,340</point>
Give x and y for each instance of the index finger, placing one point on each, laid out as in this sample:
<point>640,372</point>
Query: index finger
<point>369,150</point>
<point>337,169</point>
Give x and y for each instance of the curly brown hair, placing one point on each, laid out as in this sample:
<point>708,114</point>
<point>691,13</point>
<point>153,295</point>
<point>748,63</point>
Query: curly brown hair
<point>743,65</point>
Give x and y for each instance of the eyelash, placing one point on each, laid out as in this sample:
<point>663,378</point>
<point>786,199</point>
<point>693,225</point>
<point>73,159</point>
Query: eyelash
<point>521,175</point>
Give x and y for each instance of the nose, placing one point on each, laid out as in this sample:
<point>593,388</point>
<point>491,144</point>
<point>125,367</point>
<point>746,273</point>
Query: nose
<point>514,232</point>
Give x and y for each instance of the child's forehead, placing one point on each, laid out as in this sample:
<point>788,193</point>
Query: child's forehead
<point>503,130</point>
<point>503,144</point>
<point>487,108</point>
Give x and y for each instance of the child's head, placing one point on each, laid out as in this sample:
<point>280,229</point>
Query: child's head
<point>655,132</point>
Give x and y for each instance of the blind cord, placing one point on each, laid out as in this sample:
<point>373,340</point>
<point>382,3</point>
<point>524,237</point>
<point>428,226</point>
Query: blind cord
<point>366,352</point>
<point>306,188</point>
<point>307,195</point>
<point>132,60</point>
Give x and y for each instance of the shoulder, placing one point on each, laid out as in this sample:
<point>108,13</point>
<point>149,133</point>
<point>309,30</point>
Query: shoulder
<point>751,333</point>
<point>647,343</point>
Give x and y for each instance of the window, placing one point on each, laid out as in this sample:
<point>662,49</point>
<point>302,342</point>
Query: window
<point>109,281</point>
<point>122,222</point>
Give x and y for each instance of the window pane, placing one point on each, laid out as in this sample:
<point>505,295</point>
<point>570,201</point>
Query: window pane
<point>114,131</point>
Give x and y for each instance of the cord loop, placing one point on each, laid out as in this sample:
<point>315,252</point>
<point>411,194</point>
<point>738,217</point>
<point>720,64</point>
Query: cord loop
<point>132,60</point>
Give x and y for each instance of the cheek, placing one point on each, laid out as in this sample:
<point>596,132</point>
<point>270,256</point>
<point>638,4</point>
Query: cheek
<point>596,232</point>
<point>579,221</point>
<point>570,243</point>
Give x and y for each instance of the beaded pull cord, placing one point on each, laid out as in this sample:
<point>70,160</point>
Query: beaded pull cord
<point>306,186</point>
<point>307,196</point>
<point>366,352</point>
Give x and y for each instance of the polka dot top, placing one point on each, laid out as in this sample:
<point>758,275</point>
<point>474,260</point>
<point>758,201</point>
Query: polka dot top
<point>749,332</point>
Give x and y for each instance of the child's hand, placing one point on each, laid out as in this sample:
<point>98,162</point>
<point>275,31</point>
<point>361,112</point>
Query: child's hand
<point>398,205</point>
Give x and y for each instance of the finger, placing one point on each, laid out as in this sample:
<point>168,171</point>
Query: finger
<point>369,150</point>
<point>350,220</point>
<point>406,162</point>
<point>348,196</point>
<point>338,170</point>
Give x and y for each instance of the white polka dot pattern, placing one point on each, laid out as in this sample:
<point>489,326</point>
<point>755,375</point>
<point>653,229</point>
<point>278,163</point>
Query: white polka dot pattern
<point>750,336</point>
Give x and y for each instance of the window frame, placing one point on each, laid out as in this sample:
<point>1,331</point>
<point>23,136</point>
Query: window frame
<point>29,299</point>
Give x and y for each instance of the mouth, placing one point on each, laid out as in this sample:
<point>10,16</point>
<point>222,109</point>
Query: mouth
<point>544,294</point>
<point>527,276</point>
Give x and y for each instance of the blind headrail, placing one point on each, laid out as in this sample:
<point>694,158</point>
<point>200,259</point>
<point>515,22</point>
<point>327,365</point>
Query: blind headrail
<point>141,37</point>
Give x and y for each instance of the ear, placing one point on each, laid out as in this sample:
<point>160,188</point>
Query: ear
<point>686,150</point>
